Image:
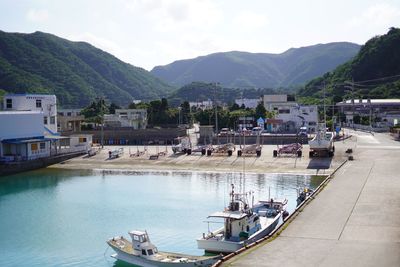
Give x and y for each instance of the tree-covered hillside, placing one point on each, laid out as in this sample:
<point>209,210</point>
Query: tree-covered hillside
<point>242,70</point>
<point>373,73</point>
<point>76,72</point>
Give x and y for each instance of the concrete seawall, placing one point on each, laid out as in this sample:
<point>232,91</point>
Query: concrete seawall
<point>21,166</point>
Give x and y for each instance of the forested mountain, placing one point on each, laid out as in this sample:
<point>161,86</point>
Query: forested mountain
<point>373,73</point>
<point>241,69</point>
<point>76,72</point>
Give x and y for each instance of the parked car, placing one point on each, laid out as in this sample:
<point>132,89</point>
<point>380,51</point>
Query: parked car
<point>303,131</point>
<point>256,131</point>
<point>226,132</point>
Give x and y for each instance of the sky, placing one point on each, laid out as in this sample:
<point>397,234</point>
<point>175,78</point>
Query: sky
<point>147,33</point>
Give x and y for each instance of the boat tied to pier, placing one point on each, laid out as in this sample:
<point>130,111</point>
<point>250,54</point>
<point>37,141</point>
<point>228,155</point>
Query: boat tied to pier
<point>243,224</point>
<point>140,251</point>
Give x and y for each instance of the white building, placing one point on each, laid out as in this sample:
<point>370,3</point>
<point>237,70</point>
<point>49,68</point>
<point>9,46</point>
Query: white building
<point>290,113</point>
<point>21,136</point>
<point>298,116</point>
<point>203,105</point>
<point>135,118</point>
<point>248,103</point>
<point>47,104</point>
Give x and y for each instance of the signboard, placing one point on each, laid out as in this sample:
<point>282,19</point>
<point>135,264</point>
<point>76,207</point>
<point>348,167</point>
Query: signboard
<point>260,122</point>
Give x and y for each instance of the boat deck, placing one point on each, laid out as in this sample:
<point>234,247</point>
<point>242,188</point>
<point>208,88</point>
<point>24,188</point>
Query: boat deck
<point>125,245</point>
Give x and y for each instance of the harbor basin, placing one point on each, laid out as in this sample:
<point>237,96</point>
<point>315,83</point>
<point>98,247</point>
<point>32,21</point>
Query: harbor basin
<point>56,217</point>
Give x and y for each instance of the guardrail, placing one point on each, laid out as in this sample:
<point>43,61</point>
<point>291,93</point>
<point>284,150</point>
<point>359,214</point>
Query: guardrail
<point>284,224</point>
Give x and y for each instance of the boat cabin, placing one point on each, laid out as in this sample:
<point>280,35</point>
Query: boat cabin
<point>141,244</point>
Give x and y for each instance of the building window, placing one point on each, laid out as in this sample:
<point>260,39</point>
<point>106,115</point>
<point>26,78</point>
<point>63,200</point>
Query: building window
<point>143,252</point>
<point>52,120</point>
<point>42,146</point>
<point>82,139</point>
<point>8,103</point>
<point>34,147</point>
<point>284,111</point>
<point>69,114</point>
<point>45,120</point>
<point>38,103</point>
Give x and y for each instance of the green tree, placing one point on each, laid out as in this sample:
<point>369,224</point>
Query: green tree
<point>132,106</point>
<point>113,107</point>
<point>260,111</point>
<point>95,111</point>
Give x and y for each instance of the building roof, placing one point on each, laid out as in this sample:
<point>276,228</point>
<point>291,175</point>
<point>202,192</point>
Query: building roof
<point>28,94</point>
<point>10,112</point>
<point>25,140</point>
<point>373,101</point>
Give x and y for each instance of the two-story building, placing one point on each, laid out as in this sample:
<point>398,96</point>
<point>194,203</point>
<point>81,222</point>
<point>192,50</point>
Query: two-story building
<point>46,104</point>
<point>289,115</point>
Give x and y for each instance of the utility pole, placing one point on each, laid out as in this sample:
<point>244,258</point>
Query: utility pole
<point>216,108</point>
<point>351,87</point>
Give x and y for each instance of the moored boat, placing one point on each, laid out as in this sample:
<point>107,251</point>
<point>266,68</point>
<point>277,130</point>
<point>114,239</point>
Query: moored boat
<point>242,226</point>
<point>140,251</point>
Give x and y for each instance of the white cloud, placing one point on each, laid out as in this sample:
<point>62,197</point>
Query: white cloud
<point>248,20</point>
<point>378,15</point>
<point>37,15</point>
<point>175,15</point>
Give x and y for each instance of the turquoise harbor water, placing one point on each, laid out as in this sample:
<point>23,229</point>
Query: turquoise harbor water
<point>63,217</point>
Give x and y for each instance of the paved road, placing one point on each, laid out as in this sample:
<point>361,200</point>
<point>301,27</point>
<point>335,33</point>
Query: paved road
<point>354,221</point>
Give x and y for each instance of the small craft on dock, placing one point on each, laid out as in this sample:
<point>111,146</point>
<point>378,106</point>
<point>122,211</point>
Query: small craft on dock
<point>322,144</point>
<point>181,145</point>
<point>143,253</point>
<point>227,149</point>
<point>289,149</point>
<point>116,153</point>
<point>242,226</point>
<point>93,151</point>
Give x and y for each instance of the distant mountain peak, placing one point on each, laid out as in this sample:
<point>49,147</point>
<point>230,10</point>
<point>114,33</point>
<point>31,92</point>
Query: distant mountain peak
<point>295,66</point>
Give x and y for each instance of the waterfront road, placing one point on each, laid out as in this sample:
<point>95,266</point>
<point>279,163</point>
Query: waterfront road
<point>353,221</point>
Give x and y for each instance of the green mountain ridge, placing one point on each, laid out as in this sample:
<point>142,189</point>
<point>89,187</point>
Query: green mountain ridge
<point>373,73</point>
<point>242,69</point>
<point>76,72</point>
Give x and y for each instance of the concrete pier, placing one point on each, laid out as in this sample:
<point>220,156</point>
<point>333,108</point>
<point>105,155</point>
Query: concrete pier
<point>354,221</point>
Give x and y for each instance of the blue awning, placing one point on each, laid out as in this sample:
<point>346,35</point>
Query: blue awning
<point>25,141</point>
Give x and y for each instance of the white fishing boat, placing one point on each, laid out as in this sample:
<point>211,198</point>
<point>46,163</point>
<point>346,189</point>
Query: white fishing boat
<point>242,226</point>
<point>322,143</point>
<point>140,251</point>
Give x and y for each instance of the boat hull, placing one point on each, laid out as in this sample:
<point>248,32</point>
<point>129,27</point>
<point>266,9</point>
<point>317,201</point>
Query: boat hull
<point>140,261</point>
<point>224,246</point>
